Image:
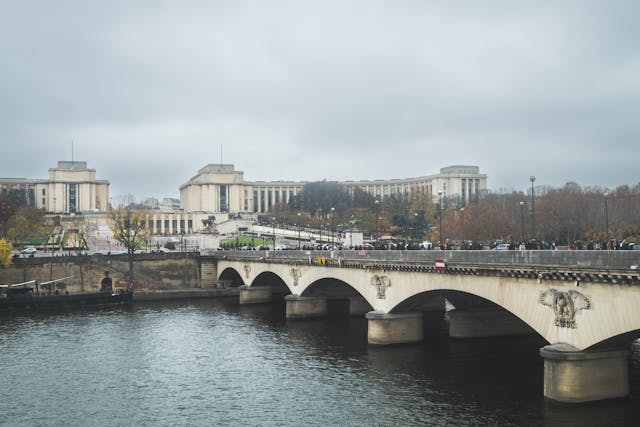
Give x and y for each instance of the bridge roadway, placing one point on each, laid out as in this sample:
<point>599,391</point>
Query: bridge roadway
<point>583,303</point>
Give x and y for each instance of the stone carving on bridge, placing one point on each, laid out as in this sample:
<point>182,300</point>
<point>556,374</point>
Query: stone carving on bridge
<point>247,269</point>
<point>296,274</point>
<point>565,305</point>
<point>381,283</point>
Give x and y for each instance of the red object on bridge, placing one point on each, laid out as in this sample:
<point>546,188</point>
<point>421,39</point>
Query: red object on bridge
<point>440,265</point>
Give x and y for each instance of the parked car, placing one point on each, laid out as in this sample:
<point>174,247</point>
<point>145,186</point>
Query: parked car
<point>426,245</point>
<point>501,247</point>
<point>29,250</point>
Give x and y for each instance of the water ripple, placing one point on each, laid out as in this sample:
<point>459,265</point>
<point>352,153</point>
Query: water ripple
<point>215,363</point>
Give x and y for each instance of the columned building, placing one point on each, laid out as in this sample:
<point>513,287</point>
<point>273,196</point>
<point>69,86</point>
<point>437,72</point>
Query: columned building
<point>220,188</point>
<point>457,184</point>
<point>72,187</point>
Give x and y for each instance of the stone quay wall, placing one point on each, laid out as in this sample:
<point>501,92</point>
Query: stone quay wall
<point>152,272</point>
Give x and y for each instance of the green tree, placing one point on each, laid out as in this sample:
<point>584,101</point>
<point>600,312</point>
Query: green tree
<point>27,224</point>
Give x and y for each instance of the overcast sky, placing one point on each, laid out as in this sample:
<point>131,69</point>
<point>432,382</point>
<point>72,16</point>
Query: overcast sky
<point>150,91</point>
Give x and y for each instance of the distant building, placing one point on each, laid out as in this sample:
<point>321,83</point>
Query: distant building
<point>220,188</point>
<point>150,203</point>
<point>71,188</point>
<point>170,203</point>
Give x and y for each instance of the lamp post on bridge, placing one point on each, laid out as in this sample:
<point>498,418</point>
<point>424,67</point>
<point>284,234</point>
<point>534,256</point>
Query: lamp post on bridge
<point>522,221</point>
<point>299,230</point>
<point>533,211</point>
<point>462,228</point>
<point>351,232</point>
<point>406,226</point>
<point>377,203</point>
<point>606,217</point>
<point>273,224</point>
<point>333,211</point>
<point>440,215</point>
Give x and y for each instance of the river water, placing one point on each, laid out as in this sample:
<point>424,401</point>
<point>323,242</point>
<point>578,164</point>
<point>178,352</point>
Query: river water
<point>213,362</point>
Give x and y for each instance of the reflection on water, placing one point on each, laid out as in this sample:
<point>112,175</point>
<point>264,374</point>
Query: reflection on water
<point>217,363</point>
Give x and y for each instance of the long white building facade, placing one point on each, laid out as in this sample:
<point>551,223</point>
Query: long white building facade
<point>220,188</point>
<point>72,188</point>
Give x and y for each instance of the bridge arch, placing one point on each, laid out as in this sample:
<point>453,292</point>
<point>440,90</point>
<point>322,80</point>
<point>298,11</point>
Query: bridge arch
<point>571,306</point>
<point>391,290</point>
<point>330,286</point>
<point>271,279</point>
<point>231,277</point>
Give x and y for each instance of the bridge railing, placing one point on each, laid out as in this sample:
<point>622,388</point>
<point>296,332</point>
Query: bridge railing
<point>606,260</point>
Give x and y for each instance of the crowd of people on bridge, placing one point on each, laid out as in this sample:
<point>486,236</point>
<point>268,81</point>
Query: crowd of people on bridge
<point>611,245</point>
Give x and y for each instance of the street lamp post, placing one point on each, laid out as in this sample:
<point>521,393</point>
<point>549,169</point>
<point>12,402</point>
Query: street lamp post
<point>606,217</point>
<point>440,214</point>
<point>298,230</point>
<point>462,228</point>
<point>377,203</point>
<point>533,211</point>
<point>333,236</point>
<point>273,224</point>
<point>522,221</point>
<point>406,226</point>
<point>351,233</point>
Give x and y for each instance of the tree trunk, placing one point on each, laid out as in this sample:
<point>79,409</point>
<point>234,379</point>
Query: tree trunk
<point>130,270</point>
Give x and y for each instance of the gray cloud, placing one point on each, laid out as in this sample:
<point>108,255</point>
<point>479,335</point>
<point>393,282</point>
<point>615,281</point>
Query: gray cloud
<point>150,90</point>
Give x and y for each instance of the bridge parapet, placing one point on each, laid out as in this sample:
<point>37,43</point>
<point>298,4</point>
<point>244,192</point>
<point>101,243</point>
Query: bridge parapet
<point>607,260</point>
<point>575,266</point>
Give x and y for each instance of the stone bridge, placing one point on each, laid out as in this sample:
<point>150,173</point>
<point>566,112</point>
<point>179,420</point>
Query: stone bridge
<point>583,303</point>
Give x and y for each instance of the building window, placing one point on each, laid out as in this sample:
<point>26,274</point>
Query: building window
<point>73,202</point>
<point>464,191</point>
<point>224,199</point>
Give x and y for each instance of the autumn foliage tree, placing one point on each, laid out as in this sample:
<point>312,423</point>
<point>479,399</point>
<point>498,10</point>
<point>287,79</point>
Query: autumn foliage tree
<point>5,253</point>
<point>563,215</point>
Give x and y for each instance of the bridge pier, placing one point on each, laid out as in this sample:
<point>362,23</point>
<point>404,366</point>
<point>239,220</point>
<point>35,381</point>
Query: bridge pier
<point>255,294</point>
<point>575,376</point>
<point>298,307</point>
<point>384,328</point>
<point>485,323</point>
